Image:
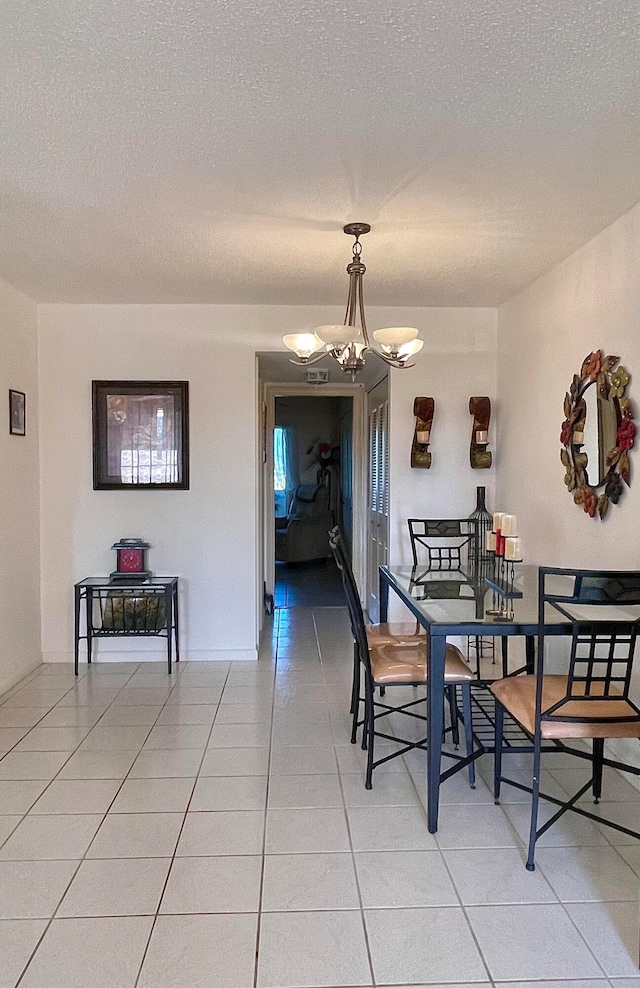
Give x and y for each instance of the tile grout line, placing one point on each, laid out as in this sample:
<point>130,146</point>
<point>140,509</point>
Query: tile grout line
<point>348,826</point>
<point>184,819</point>
<point>67,887</point>
<point>72,752</point>
<point>256,963</point>
<point>452,880</point>
<point>104,816</point>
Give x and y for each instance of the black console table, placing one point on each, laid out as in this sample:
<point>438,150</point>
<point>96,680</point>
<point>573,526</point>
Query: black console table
<point>123,609</point>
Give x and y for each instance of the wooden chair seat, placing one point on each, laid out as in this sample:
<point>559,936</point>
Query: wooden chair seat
<point>408,664</point>
<point>403,633</point>
<point>518,695</point>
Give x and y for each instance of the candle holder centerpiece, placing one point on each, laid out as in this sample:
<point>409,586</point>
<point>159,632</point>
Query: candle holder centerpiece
<point>505,546</point>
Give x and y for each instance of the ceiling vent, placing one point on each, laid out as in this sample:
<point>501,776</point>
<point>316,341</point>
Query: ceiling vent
<point>317,376</point>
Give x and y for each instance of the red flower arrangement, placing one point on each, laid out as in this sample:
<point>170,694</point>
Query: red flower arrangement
<point>626,434</point>
<point>589,502</point>
<point>594,365</point>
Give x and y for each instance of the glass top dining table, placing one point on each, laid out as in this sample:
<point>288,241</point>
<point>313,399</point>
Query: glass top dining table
<point>450,603</point>
<point>454,602</point>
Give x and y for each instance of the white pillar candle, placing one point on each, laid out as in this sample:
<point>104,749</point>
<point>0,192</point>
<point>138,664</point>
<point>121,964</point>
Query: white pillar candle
<point>513,549</point>
<point>482,438</point>
<point>491,541</point>
<point>423,436</point>
<point>509,525</point>
<point>497,521</point>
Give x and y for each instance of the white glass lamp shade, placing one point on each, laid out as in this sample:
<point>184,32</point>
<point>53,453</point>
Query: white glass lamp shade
<point>395,336</point>
<point>410,349</point>
<point>335,336</point>
<point>303,344</point>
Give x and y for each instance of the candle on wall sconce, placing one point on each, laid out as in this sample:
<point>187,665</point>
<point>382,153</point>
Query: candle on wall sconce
<point>578,438</point>
<point>423,409</point>
<point>479,455</point>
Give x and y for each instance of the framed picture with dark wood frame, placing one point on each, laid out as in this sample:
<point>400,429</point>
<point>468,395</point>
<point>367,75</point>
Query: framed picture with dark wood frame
<point>140,435</point>
<point>17,413</point>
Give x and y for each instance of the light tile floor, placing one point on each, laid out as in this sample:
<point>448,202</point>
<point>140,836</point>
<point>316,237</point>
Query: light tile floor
<point>213,831</point>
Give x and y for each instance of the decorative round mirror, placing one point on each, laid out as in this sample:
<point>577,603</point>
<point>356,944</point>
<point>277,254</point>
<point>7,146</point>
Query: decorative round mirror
<point>597,433</point>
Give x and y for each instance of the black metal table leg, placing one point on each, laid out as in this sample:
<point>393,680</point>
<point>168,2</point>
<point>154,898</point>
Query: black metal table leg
<point>435,713</point>
<point>383,594</point>
<point>76,628</point>
<point>175,620</point>
<point>89,603</point>
<point>168,596</point>
<point>504,644</point>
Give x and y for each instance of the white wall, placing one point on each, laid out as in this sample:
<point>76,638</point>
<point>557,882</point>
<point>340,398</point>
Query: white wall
<point>208,535</point>
<point>458,360</point>
<point>591,301</point>
<point>19,495</point>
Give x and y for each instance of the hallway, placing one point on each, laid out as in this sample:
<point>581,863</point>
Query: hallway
<point>313,584</point>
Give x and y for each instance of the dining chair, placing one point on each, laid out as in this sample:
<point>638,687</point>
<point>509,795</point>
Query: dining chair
<point>389,660</point>
<point>449,544</point>
<point>587,702</point>
<point>443,543</point>
<point>396,633</point>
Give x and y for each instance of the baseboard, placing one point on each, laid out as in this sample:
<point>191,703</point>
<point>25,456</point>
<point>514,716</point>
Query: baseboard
<point>145,655</point>
<point>8,684</point>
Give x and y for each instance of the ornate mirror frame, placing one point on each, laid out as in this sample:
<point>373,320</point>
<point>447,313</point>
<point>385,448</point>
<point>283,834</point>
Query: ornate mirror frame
<point>611,384</point>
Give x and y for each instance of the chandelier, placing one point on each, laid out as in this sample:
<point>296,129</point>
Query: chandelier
<point>347,343</point>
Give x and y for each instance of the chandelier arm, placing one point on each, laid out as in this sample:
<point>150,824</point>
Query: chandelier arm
<point>363,321</point>
<point>350,315</point>
<point>392,361</point>
<point>309,360</point>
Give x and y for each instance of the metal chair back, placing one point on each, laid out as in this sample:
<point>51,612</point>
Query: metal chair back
<point>354,607</point>
<point>442,544</point>
<point>604,609</point>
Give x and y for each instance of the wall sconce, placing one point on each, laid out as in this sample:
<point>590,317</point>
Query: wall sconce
<point>479,455</point>
<point>423,410</point>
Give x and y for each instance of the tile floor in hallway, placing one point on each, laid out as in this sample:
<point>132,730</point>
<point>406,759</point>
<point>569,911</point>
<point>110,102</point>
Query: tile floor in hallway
<point>213,830</point>
<point>312,584</point>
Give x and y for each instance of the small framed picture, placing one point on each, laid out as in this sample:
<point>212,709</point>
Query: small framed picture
<point>17,413</point>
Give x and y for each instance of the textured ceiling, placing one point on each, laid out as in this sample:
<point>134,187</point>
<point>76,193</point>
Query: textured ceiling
<point>211,150</point>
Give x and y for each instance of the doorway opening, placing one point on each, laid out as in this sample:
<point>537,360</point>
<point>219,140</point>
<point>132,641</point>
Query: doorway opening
<point>312,458</point>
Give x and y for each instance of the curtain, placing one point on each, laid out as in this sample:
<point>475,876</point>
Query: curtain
<point>286,472</point>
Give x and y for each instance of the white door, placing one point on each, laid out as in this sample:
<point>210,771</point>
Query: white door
<point>378,535</point>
